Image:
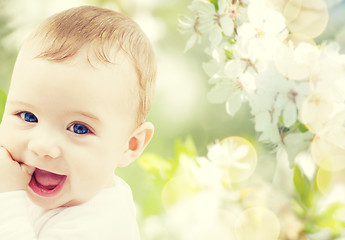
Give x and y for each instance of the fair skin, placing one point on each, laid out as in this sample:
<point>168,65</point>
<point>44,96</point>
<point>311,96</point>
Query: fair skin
<point>67,126</point>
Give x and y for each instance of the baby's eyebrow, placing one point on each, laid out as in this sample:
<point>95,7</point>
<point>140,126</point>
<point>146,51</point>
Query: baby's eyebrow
<point>18,102</point>
<point>88,115</point>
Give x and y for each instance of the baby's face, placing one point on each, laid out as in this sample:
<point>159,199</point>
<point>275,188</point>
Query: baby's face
<point>69,121</point>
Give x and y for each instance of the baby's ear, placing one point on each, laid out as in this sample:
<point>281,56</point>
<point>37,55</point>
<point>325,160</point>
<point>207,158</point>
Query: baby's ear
<point>137,143</point>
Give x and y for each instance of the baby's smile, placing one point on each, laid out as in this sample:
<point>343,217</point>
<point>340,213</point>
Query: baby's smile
<point>46,184</point>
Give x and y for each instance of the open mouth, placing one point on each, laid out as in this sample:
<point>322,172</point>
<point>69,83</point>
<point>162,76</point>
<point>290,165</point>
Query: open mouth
<point>46,184</point>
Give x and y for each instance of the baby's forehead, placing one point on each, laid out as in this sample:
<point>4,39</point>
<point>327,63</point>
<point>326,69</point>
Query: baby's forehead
<point>106,85</point>
<point>93,54</point>
<point>120,67</point>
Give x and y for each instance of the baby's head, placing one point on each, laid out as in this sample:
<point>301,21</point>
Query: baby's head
<point>80,92</point>
<point>100,36</point>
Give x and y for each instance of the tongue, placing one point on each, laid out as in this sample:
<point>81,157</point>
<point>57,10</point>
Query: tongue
<point>48,180</point>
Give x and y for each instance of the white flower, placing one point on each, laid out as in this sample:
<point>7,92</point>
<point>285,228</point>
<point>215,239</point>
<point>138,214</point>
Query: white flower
<point>276,96</point>
<point>214,68</point>
<point>208,21</point>
<point>229,155</point>
<point>221,92</point>
<point>265,124</point>
<point>328,147</point>
<point>263,33</point>
<point>207,174</point>
<point>237,82</point>
<point>316,111</point>
<point>257,223</point>
<point>200,217</point>
<point>237,70</point>
<point>225,18</point>
<point>295,64</point>
<point>235,156</point>
<point>328,73</point>
<point>188,25</point>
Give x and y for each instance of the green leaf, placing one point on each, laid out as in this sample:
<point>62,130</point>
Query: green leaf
<point>231,41</point>
<point>296,143</point>
<point>2,103</point>
<point>156,165</point>
<point>303,187</point>
<point>301,127</point>
<point>327,218</point>
<point>185,147</point>
<point>298,209</point>
<point>215,3</point>
<point>228,54</point>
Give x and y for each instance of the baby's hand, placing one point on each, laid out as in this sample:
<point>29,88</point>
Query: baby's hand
<point>13,175</point>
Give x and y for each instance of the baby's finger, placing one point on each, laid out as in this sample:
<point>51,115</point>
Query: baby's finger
<point>28,169</point>
<point>4,154</point>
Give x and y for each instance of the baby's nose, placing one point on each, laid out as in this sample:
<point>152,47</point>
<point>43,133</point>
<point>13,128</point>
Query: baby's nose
<point>44,146</point>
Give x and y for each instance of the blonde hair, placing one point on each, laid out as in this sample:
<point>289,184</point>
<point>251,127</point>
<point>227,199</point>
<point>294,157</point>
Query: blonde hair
<point>65,33</point>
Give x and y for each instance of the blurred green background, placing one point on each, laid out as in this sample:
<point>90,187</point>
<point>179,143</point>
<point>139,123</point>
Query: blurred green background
<point>180,108</point>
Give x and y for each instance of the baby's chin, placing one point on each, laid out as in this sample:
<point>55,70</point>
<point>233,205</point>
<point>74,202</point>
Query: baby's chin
<point>48,203</point>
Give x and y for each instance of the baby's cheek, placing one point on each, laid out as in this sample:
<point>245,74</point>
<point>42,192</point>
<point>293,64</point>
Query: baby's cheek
<point>12,141</point>
<point>4,134</point>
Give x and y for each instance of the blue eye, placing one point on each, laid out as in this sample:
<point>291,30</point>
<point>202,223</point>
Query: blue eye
<point>79,128</point>
<point>28,117</point>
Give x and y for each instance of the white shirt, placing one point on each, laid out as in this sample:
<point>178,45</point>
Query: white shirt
<point>109,215</point>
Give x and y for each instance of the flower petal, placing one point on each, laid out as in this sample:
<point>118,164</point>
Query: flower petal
<point>227,26</point>
<point>233,104</point>
<point>289,114</point>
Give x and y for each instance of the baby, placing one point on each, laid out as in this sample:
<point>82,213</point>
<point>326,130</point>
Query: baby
<point>80,92</point>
